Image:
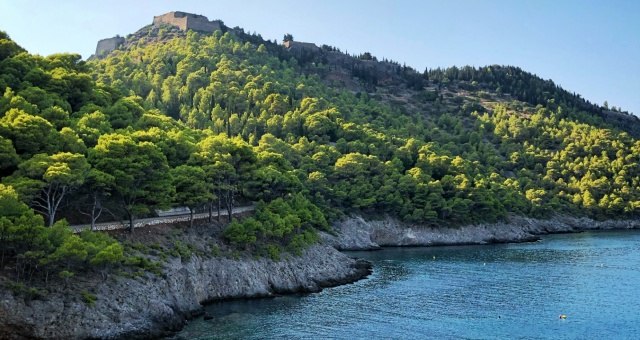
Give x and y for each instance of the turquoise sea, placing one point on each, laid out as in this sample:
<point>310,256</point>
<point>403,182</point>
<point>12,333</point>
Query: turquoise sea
<point>509,291</point>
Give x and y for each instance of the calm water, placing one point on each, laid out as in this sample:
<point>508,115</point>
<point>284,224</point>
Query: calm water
<point>470,292</point>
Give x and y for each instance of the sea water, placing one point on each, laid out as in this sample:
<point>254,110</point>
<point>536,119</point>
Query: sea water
<point>508,291</point>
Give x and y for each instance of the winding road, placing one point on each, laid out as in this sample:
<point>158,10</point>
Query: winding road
<point>145,222</point>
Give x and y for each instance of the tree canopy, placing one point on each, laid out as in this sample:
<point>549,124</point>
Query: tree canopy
<point>215,120</point>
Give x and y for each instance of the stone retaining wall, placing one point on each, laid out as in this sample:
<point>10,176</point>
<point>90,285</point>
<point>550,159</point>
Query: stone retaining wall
<point>144,222</point>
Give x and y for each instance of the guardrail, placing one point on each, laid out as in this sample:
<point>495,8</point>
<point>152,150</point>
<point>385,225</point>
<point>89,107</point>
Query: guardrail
<point>145,222</point>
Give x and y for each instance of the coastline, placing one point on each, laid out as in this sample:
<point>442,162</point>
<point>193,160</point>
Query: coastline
<point>356,233</point>
<point>153,306</point>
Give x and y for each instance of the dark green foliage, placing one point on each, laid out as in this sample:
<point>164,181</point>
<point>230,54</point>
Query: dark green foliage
<point>140,172</point>
<point>192,187</point>
<point>181,250</point>
<point>351,151</point>
<point>89,298</point>
<point>291,222</point>
<point>145,264</point>
<point>532,89</point>
<point>37,251</point>
<point>28,293</point>
<point>214,120</point>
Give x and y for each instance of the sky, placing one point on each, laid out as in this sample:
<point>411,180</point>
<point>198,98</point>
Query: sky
<point>590,47</point>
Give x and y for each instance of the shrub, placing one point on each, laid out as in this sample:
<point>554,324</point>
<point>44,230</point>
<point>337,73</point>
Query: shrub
<point>292,222</point>
<point>89,298</point>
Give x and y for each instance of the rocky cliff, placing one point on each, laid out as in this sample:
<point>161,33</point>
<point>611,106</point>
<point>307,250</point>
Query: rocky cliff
<point>150,306</point>
<point>356,233</point>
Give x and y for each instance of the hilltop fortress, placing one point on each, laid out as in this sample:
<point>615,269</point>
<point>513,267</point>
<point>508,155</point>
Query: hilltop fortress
<point>181,20</point>
<point>297,45</point>
<point>107,45</point>
<point>176,23</point>
<point>188,21</point>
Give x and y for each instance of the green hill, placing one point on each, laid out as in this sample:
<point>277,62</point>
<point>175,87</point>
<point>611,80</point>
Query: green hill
<point>200,120</point>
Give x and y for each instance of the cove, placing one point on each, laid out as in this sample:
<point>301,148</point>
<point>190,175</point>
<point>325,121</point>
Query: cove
<point>486,292</point>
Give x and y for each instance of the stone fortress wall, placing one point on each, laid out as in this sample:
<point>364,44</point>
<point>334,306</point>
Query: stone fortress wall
<point>290,44</point>
<point>188,21</point>
<point>107,45</point>
<point>182,20</point>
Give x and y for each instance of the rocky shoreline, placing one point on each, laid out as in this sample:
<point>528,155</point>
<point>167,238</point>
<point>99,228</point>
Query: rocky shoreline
<point>152,306</point>
<point>356,233</point>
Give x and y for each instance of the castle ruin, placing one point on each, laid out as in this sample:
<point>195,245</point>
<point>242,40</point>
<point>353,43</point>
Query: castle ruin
<point>105,46</point>
<point>294,45</point>
<point>188,21</point>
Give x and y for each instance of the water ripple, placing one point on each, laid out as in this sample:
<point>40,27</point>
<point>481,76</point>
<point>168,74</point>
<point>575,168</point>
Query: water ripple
<point>513,291</point>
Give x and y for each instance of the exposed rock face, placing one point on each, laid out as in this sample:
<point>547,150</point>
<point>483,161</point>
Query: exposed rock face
<point>149,306</point>
<point>355,233</point>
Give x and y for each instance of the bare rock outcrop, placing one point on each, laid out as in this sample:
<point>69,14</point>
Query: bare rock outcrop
<point>356,233</point>
<point>151,305</point>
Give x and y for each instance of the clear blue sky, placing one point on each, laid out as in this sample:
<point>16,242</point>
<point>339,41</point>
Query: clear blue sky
<point>588,47</point>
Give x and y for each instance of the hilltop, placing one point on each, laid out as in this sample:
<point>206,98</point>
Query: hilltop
<point>365,72</point>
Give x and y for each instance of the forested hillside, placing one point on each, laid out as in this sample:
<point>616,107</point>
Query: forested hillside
<point>210,120</point>
<point>447,151</point>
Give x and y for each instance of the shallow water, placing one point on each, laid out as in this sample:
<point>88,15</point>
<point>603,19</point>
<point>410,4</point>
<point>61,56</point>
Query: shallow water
<point>471,292</point>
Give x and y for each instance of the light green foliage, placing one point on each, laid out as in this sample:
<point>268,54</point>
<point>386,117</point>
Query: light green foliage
<point>231,118</point>
<point>140,173</point>
<point>8,47</point>
<point>291,222</point>
<point>228,163</point>
<point>44,181</point>
<point>273,177</point>
<point>54,114</point>
<point>18,223</point>
<point>30,134</point>
<point>40,250</point>
<point>192,187</point>
<point>125,112</point>
<point>43,163</point>
<point>570,165</point>
<point>71,142</point>
<point>354,152</point>
<point>91,126</point>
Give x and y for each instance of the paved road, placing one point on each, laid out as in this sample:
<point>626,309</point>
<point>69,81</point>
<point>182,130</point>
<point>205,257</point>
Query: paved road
<point>144,222</point>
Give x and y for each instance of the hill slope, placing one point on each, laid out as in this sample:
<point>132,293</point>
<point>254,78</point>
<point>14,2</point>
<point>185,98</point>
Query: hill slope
<point>457,145</point>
